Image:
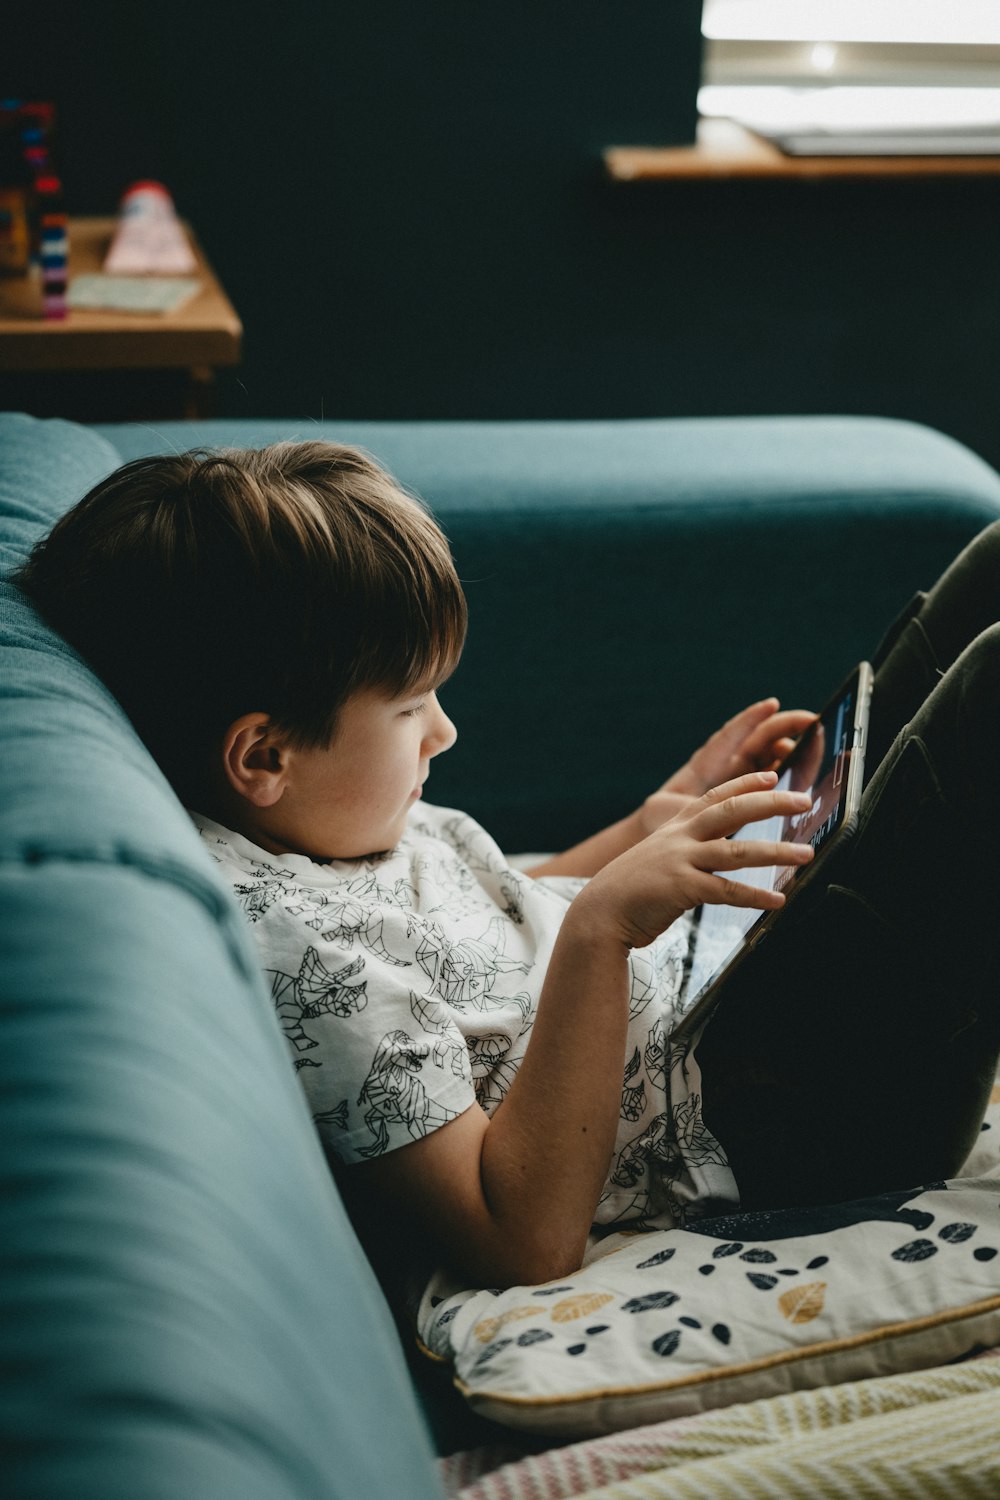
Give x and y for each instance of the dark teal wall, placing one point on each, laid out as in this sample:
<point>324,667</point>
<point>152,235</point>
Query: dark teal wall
<point>407,205</point>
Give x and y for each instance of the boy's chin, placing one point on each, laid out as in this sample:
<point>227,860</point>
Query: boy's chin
<point>380,842</point>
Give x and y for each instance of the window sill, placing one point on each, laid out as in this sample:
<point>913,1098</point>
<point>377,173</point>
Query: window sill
<point>724,149</point>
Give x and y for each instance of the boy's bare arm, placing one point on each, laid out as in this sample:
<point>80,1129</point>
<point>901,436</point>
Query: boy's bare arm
<point>754,739</point>
<point>511,1198</point>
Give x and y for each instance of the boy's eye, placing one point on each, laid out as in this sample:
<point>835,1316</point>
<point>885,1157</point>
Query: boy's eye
<point>411,713</point>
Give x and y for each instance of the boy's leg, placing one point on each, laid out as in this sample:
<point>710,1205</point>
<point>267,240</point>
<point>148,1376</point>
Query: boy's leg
<point>855,1049</point>
<point>930,634</point>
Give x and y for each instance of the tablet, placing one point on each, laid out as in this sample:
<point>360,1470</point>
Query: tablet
<point>828,760</point>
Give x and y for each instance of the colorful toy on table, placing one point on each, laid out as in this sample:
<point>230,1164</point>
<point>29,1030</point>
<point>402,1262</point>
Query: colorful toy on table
<point>34,200</point>
<point>149,239</point>
<point>53,246</point>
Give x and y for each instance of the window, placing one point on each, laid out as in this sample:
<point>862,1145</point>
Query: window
<point>838,75</point>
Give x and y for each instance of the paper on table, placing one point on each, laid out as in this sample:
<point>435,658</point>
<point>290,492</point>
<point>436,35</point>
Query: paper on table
<point>135,294</point>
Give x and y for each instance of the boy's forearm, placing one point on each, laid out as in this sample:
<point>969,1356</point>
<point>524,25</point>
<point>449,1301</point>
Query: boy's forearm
<point>594,853</point>
<point>511,1199</point>
<point>545,1156</point>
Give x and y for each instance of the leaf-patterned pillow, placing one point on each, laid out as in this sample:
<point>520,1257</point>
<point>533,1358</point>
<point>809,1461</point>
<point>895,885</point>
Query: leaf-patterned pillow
<point>670,1322</point>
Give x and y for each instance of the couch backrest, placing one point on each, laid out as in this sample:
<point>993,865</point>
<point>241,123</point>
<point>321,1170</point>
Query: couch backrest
<point>186,1310</point>
<point>631,584</point>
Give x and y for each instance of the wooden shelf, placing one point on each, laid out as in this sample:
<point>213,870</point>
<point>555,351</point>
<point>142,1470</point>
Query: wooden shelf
<point>203,333</point>
<point>725,149</point>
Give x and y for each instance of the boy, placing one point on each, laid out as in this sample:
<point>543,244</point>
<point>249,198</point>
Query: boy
<point>490,1051</point>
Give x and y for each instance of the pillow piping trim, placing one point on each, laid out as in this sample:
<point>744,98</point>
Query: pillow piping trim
<point>731,1372</point>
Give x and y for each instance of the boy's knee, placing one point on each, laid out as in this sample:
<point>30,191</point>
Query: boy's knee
<point>977,673</point>
<point>965,702</point>
<point>964,601</point>
<point>983,653</point>
<point>924,845</point>
<point>982,552</point>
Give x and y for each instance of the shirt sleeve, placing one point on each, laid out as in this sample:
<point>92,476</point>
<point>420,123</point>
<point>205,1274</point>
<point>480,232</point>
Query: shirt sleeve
<point>379,1055</point>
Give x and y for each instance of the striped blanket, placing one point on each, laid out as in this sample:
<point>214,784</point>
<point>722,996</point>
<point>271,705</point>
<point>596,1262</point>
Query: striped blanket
<point>920,1436</point>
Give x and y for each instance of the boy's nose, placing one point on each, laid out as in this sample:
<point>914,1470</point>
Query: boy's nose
<point>443,732</point>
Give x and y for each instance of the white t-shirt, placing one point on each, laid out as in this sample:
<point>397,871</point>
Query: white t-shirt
<point>407,984</point>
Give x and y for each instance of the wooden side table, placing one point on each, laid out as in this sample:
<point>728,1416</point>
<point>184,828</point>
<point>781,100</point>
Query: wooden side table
<point>191,343</point>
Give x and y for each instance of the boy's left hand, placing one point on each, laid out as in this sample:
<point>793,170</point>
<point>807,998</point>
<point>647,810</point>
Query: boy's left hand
<point>755,739</point>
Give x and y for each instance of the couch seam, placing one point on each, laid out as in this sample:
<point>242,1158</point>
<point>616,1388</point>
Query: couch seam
<point>213,899</point>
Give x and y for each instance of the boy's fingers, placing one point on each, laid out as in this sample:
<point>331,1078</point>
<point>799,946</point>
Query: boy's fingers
<point>733,812</point>
<point>725,892</point>
<point>790,721</point>
<point>752,852</point>
<point>781,749</point>
<point>736,786</point>
<point>745,800</point>
<point>784,728</point>
<point>730,739</point>
<point>754,713</point>
<point>746,722</point>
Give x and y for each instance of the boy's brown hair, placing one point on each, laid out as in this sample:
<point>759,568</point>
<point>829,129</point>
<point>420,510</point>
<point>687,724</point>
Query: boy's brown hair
<point>202,586</point>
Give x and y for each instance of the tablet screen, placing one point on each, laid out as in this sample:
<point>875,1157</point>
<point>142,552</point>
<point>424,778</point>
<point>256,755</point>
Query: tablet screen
<point>821,763</point>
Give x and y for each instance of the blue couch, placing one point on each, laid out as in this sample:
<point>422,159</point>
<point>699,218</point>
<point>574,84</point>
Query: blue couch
<point>186,1310</point>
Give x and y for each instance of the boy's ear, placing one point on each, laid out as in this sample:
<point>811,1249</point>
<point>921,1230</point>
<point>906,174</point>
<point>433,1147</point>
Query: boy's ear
<point>255,759</point>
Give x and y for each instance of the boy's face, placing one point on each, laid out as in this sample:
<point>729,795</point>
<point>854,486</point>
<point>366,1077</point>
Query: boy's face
<point>352,798</point>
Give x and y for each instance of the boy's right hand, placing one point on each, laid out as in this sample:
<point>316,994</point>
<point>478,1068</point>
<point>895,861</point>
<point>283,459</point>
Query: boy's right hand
<point>687,860</point>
